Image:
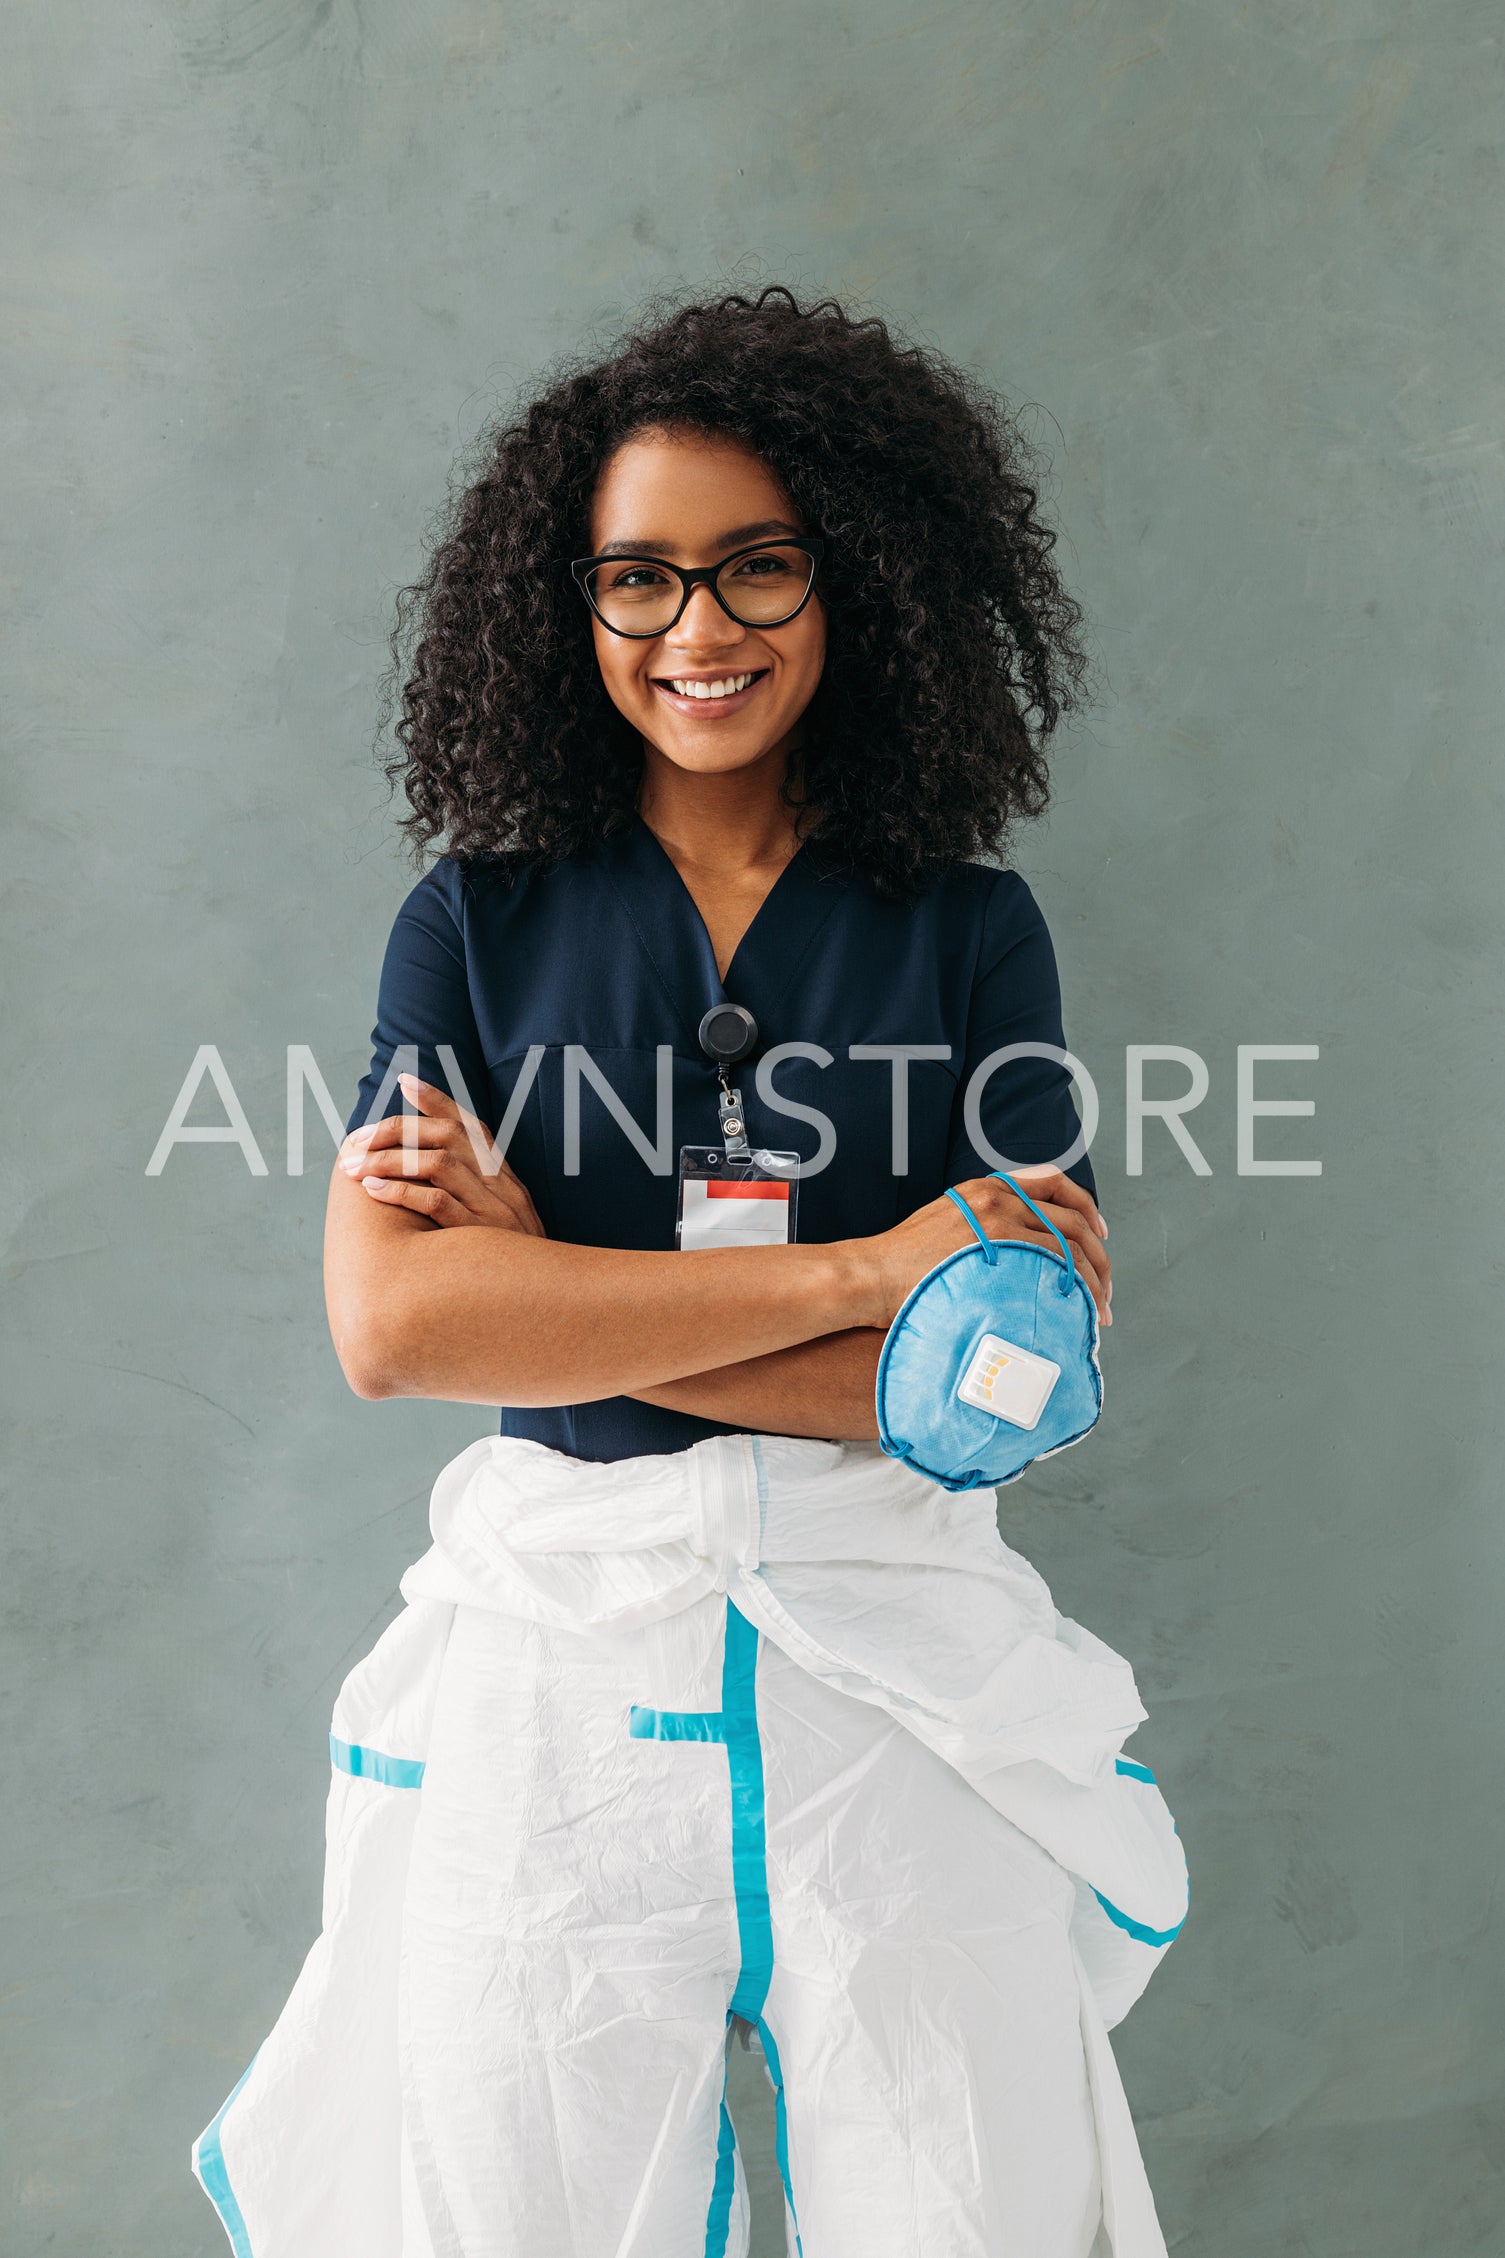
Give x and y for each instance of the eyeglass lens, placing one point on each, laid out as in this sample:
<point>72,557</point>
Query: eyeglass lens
<point>641,596</point>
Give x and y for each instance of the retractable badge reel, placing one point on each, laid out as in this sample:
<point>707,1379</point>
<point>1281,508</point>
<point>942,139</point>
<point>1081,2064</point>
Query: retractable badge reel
<point>733,1194</point>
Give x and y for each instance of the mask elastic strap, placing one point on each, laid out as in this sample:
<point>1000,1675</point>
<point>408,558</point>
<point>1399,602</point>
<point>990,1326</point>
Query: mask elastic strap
<point>990,1246</point>
<point>989,1250</point>
<point>1020,1193</point>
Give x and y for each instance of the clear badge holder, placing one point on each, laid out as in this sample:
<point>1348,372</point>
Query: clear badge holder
<point>735,1194</point>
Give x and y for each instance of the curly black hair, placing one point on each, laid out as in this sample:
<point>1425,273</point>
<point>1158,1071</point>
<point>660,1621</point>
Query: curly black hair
<point>953,647</point>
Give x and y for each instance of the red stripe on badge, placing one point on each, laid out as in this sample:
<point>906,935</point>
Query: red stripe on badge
<point>715,1189</point>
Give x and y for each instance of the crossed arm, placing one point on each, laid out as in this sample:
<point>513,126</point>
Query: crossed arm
<point>440,1282</point>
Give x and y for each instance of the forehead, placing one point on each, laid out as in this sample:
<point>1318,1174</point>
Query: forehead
<point>683,491</point>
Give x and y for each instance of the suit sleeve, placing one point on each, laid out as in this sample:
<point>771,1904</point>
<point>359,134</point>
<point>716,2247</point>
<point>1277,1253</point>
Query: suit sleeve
<point>1024,1105</point>
<point>424,1002</point>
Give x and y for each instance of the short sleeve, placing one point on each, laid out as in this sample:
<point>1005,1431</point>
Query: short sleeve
<point>1024,1105</point>
<point>424,1003</point>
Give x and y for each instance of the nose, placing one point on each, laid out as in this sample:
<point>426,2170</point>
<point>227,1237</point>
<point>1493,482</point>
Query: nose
<point>704,626</point>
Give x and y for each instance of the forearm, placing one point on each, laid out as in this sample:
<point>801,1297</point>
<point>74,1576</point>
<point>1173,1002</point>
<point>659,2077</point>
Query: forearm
<point>499,1317</point>
<point>463,1299</point>
<point>825,1387</point>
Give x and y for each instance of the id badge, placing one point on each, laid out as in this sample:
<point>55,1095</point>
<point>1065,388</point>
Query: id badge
<point>735,1200</point>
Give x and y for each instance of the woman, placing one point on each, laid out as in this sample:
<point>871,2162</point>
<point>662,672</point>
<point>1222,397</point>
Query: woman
<point>738,651</point>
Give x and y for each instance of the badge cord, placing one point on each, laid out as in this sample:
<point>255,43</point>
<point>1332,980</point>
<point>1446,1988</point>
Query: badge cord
<point>727,1033</point>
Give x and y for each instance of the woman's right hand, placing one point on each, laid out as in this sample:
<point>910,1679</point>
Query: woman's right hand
<point>898,1259</point>
<point>441,1164</point>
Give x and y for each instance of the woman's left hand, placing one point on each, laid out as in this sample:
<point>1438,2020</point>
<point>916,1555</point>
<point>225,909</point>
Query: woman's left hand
<point>449,1170</point>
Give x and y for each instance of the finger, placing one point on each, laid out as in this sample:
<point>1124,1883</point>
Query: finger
<point>439,1122</point>
<point>358,1139</point>
<point>466,1138</point>
<point>1003,1208</point>
<point>1079,1230</point>
<point>1074,1212</point>
<point>439,1106</point>
<point>506,1175</point>
<point>1088,1252</point>
<point>410,1129</point>
<point>1087,1268</point>
<point>422,1199</point>
<point>429,1098</point>
<point>503,1179</point>
<point>514,1198</point>
<point>432,1165</point>
<point>1004,1215</point>
<point>992,1195</point>
<point>1044,1184</point>
<point>436,1105</point>
<point>400,1159</point>
<point>448,1166</point>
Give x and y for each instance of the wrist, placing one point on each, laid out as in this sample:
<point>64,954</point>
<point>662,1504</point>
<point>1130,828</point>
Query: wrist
<point>857,1283</point>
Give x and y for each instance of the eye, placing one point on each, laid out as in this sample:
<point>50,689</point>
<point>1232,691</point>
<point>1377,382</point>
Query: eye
<point>627,578</point>
<point>769,564</point>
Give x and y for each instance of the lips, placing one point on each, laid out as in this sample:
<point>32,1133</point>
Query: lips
<point>708,695</point>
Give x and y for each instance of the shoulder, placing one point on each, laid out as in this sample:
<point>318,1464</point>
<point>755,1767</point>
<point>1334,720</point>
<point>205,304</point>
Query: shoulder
<point>449,892</point>
<point>994,892</point>
<point>973,914</point>
<point>954,891</point>
<point>995,905</point>
<point>428,949</point>
<point>1013,958</point>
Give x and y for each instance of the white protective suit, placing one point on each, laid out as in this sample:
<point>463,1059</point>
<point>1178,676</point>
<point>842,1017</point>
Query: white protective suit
<point>770,1731</point>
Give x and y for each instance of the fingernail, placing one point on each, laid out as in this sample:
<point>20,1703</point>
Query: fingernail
<point>410,1081</point>
<point>374,1183</point>
<point>1102,1228</point>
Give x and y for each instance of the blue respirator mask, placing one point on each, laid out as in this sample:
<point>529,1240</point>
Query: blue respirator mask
<point>992,1361</point>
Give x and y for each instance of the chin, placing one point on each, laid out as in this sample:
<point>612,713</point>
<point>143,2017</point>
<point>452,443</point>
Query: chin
<point>713,760</point>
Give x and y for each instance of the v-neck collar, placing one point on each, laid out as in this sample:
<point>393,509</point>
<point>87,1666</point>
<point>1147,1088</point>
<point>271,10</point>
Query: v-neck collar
<point>674,937</point>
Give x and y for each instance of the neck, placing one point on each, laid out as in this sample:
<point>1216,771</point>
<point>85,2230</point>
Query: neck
<point>735,820</point>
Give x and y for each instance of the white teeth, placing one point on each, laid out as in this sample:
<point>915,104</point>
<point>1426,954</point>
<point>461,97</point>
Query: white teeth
<point>724,689</point>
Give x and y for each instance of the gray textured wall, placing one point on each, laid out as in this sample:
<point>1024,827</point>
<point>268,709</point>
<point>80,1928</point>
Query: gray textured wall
<point>273,260</point>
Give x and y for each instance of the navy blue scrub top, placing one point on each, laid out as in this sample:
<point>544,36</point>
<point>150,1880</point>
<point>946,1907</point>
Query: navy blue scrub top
<point>608,951</point>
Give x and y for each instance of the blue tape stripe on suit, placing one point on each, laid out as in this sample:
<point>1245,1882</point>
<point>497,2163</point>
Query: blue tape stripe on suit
<point>1132,1771</point>
<point>216,2179</point>
<point>749,1835</point>
<point>1137,1928</point>
<point>735,1724</point>
<point>371,1764</point>
<point>675,1724</point>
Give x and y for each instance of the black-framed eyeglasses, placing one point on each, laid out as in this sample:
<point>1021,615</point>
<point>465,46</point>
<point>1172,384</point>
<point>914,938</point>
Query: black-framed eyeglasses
<point>765,585</point>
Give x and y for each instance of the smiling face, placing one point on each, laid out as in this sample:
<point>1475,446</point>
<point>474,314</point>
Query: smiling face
<point>708,694</point>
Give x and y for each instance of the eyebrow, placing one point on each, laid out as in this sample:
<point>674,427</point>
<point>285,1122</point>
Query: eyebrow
<point>767,529</point>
